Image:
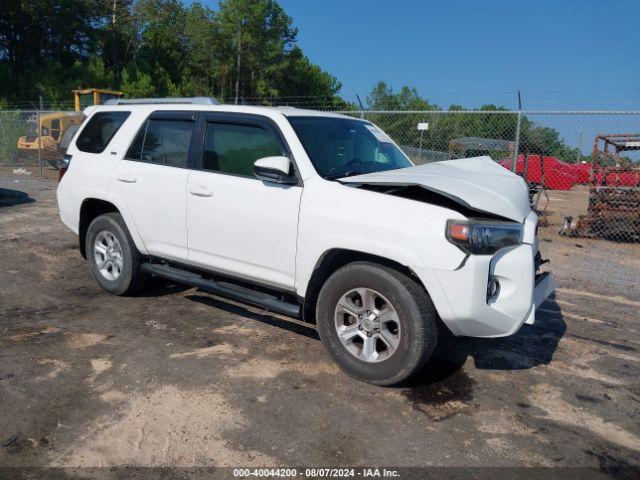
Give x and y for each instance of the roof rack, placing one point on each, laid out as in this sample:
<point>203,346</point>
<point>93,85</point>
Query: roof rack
<point>153,101</point>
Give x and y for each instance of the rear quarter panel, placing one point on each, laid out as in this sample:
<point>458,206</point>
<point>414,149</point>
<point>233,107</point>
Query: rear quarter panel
<point>89,176</point>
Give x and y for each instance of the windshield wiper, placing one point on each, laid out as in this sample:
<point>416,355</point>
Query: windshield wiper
<point>350,173</point>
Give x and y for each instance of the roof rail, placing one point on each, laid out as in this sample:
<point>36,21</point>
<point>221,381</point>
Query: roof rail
<point>153,101</point>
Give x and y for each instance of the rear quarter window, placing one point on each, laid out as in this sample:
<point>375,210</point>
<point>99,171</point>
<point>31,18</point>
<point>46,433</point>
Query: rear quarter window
<point>99,131</point>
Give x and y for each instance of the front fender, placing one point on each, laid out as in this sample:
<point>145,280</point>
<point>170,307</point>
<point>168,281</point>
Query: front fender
<point>335,216</point>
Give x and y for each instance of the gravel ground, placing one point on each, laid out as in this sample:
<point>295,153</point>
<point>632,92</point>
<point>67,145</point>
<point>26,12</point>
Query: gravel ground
<point>177,377</point>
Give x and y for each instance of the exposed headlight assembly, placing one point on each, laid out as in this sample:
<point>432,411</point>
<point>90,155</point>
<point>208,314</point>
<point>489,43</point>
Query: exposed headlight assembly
<point>483,237</point>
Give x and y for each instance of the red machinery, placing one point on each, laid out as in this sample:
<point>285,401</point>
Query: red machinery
<point>554,174</point>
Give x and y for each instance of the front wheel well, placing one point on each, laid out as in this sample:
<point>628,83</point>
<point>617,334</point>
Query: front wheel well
<point>91,208</point>
<point>331,261</point>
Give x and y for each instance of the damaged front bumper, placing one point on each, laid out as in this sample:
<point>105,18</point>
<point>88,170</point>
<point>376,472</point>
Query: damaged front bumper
<point>544,287</point>
<point>491,296</point>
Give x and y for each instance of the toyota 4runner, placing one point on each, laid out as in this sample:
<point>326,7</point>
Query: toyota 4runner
<point>308,214</point>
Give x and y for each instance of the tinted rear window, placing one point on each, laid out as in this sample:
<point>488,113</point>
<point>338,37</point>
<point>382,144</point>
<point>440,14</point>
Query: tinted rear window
<point>100,130</point>
<point>164,141</point>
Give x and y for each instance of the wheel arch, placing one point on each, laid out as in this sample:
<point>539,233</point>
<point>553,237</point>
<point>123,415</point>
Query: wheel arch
<point>92,208</point>
<point>332,260</point>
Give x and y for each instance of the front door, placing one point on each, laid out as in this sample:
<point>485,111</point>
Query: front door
<point>236,223</point>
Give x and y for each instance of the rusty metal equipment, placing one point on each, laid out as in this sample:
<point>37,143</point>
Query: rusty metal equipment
<point>619,142</point>
<point>462,147</point>
<point>614,196</point>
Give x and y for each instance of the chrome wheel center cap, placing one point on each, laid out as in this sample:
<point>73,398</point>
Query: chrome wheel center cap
<point>370,322</point>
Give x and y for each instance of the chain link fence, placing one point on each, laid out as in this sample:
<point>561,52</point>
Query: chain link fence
<point>583,168</point>
<point>35,139</point>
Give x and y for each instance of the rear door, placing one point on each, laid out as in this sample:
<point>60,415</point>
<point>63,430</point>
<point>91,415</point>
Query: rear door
<point>152,181</point>
<point>238,224</point>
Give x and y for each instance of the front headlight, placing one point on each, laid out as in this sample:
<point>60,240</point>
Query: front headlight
<point>483,237</point>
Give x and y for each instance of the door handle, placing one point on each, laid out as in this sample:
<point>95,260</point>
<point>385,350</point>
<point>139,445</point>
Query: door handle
<point>126,179</point>
<point>200,191</point>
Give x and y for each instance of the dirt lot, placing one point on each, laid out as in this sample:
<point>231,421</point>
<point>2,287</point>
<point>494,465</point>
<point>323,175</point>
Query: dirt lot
<point>177,377</point>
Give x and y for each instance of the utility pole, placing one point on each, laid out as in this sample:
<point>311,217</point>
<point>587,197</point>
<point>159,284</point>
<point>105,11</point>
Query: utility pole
<point>238,62</point>
<point>113,40</point>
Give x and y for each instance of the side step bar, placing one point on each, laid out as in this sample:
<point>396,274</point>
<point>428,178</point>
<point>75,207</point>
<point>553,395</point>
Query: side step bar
<point>224,289</point>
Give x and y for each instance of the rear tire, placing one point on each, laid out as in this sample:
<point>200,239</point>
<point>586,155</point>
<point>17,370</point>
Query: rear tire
<point>113,258</point>
<point>388,345</point>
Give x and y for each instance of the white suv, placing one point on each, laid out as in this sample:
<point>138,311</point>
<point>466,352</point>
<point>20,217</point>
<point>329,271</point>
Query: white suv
<point>308,214</point>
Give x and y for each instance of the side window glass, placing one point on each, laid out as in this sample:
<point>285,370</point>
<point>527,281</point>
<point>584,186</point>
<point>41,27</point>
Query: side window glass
<point>135,150</point>
<point>55,128</point>
<point>97,134</point>
<point>163,141</point>
<point>234,148</point>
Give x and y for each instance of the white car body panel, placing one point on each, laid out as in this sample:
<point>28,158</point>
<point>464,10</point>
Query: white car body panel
<point>277,235</point>
<point>479,183</point>
<point>155,197</point>
<point>243,227</point>
<point>339,216</point>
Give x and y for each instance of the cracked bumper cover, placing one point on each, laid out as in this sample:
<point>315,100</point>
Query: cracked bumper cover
<point>460,296</point>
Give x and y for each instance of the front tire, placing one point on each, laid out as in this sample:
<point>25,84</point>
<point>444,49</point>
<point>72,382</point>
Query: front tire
<point>378,324</point>
<point>113,258</point>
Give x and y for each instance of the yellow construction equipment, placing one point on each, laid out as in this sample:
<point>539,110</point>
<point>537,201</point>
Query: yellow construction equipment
<point>98,96</point>
<point>47,136</point>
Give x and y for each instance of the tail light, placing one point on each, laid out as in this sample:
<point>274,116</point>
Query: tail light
<point>64,166</point>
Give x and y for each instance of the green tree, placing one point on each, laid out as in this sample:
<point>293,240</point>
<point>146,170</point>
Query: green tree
<point>490,121</point>
<point>40,37</point>
<point>156,47</point>
<point>255,38</point>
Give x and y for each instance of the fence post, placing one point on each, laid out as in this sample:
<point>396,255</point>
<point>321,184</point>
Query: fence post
<point>361,106</point>
<point>579,156</point>
<point>40,136</point>
<point>39,145</point>
<point>514,163</point>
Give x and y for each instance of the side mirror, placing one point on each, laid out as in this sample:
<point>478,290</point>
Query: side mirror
<point>274,169</point>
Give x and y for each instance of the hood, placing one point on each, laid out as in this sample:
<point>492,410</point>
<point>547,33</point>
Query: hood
<point>477,183</point>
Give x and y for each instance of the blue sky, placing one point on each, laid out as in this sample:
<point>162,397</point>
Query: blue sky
<point>561,54</point>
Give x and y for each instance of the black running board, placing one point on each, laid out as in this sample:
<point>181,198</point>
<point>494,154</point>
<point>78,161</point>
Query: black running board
<point>224,289</point>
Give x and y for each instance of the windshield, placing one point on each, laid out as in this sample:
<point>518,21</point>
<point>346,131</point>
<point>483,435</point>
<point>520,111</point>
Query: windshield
<point>341,147</point>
